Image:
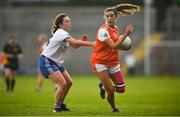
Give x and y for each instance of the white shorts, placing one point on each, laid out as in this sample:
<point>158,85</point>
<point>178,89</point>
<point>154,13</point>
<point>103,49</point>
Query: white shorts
<point>101,67</point>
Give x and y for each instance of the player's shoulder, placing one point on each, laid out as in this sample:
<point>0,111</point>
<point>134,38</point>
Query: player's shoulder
<point>61,32</point>
<point>103,29</point>
<point>60,35</point>
<point>103,26</point>
<point>103,33</point>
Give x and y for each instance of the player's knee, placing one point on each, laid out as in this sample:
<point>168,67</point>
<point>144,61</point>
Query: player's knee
<point>69,84</point>
<point>120,88</point>
<point>62,84</point>
<point>110,90</point>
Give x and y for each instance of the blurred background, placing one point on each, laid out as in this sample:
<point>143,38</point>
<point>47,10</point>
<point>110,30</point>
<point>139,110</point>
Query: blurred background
<point>155,41</point>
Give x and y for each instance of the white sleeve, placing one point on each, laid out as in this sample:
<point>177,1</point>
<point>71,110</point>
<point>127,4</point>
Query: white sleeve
<point>62,35</point>
<point>103,34</point>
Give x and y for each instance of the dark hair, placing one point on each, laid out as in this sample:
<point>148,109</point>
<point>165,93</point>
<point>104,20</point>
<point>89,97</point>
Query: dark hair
<point>111,9</point>
<point>58,20</point>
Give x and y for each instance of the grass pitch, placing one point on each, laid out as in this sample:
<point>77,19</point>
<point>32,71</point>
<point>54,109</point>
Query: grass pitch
<point>145,96</point>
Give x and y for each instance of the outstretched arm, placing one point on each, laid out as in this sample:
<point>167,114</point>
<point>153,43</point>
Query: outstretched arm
<point>77,43</point>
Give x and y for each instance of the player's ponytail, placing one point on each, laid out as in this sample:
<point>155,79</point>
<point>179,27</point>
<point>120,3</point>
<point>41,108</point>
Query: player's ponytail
<point>58,20</point>
<point>126,9</point>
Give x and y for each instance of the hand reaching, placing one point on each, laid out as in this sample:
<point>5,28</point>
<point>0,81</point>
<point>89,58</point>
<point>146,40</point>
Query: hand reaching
<point>129,29</point>
<point>84,37</point>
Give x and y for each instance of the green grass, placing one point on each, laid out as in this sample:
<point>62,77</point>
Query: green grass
<point>145,96</point>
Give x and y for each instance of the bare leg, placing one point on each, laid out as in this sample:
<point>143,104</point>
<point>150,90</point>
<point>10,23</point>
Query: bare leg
<point>105,79</point>
<point>68,83</point>
<point>68,86</point>
<point>59,80</point>
<point>7,74</point>
<point>40,81</point>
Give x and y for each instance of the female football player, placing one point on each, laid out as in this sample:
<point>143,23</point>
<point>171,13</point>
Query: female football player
<point>12,52</point>
<point>52,58</point>
<point>104,58</point>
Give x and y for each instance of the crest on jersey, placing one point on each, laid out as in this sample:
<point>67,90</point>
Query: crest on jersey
<point>105,35</point>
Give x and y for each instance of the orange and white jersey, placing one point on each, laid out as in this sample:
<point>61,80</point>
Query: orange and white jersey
<point>103,53</point>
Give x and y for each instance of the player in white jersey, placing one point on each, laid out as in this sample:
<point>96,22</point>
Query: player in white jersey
<point>52,58</point>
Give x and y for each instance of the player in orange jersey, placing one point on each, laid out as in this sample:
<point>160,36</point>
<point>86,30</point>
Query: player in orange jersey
<point>104,58</point>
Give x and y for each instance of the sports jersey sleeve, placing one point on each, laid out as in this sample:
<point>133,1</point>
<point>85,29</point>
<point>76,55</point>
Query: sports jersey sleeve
<point>103,34</point>
<point>63,36</point>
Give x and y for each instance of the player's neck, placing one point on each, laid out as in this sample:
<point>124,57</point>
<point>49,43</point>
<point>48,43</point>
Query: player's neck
<point>112,27</point>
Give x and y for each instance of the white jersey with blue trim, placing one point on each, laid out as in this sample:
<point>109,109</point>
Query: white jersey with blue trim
<point>57,46</point>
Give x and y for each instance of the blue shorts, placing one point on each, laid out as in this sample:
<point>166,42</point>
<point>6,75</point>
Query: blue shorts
<point>48,66</point>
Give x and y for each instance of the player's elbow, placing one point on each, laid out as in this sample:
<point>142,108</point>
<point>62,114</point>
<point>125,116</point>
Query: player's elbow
<point>76,46</point>
<point>74,43</point>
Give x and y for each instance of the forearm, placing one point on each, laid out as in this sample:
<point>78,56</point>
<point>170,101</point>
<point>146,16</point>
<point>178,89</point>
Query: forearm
<point>84,43</point>
<point>121,39</point>
<point>113,44</point>
<point>77,43</point>
<point>128,30</point>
